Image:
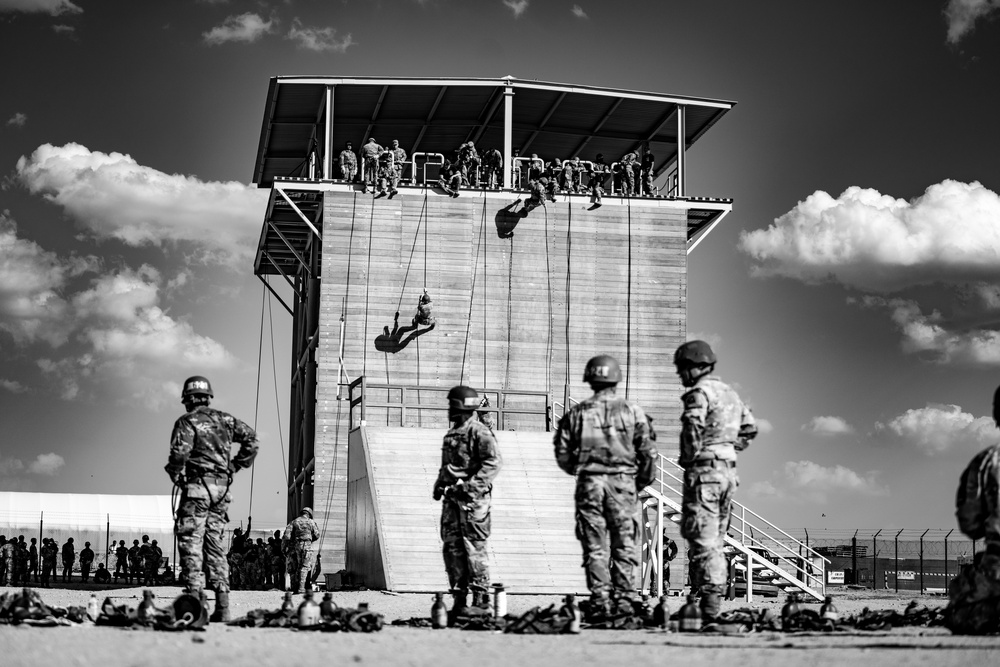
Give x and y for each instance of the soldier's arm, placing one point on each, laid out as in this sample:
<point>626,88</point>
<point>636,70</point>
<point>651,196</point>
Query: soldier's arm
<point>748,429</point>
<point>692,423</point>
<point>567,455</point>
<point>490,462</point>
<point>247,438</point>
<point>181,442</point>
<point>646,456</point>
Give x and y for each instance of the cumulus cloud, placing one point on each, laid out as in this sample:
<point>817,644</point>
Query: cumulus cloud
<point>828,426</point>
<point>318,39</point>
<point>51,7</point>
<point>63,29</point>
<point>878,243</point>
<point>112,196</point>
<point>46,464</point>
<point>516,6</point>
<point>17,120</point>
<point>13,386</point>
<point>936,429</point>
<point>931,337</point>
<point>247,27</point>
<point>764,425</point>
<point>578,12</point>
<point>816,483</point>
<point>962,16</point>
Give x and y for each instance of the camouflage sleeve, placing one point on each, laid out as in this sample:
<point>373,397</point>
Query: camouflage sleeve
<point>748,429</point>
<point>313,530</point>
<point>181,442</point>
<point>567,455</point>
<point>646,456</point>
<point>247,438</point>
<point>485,444</point>
<point>692,423</point>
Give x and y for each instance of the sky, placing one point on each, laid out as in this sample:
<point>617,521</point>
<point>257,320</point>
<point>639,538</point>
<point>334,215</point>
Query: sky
<point>852,296</point>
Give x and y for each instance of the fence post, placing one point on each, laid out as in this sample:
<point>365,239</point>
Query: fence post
<point>854,557</point>
<point>922,561</point>
<point>896,542</point>
<point>107,541</point>
<point>875,557</point>
<point>946,557</point>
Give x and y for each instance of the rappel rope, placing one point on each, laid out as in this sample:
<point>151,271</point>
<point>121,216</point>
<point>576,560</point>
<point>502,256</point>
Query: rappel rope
<point>256,404</point>
<point>628,305</point>
<point>472,299</point>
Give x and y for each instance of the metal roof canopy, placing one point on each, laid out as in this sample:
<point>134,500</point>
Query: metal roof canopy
<point>436,115</point>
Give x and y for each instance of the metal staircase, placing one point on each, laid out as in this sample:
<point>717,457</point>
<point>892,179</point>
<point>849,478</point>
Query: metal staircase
<point>759,546</point>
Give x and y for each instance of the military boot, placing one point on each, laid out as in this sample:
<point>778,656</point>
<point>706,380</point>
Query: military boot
<point>709,607</point>
<point>480,604</point>
<point>460,602</point>
<point>221,613</point>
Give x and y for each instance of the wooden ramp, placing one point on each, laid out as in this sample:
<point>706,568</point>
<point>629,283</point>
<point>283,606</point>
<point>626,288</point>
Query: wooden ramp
<point>393,536</point>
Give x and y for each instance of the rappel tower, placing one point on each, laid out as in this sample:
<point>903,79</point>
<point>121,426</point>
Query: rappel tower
<point>395,299</point>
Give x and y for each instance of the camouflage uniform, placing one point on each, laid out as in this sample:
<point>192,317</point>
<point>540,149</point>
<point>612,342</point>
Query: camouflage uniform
<point>201,466</point>
<point>299,537</point>
<point>33,560</point>
<point>151,563</point>
<point>492,166</point>
<point>468,158</point>
<point>597,175</point>
<point>715,425</point>
<point>68,558</point>
<point>470,462</point>
<point>607,442</point>
<point>627,167</point>
<point>49,553</point>
<point>369,153</point>
<point>646,172</point>
<point>348,164</point>
<point>6,561</point>
<point>974,595</point>
<point>135,562</point>
<point>277,559</point>
<point>20,562</point>
<point>398,162</point>
<point>121,560</point>
<point>450,179</point>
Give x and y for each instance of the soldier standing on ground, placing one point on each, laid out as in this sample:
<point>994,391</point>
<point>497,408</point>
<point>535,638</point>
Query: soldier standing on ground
<point>121,560</point>
<point>298,541</point>
<point>33,560</point>
<point>6,558</point>
<point>68,558</point>
<point>348,162</point>
<point>607,442</point>
<point>86,560</point>
<point>470,461</point>
<point>202,465</point>
<point>277,561</point>
<point>21,561</point>
<point>135,562</point>
<point>49,553</point>
<point>715,425</point>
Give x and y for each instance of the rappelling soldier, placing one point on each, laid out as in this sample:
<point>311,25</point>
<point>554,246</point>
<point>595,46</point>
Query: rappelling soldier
<point>607,442</point>
<point>470,461</point>
<point>715,425</point>
<point>202,466</point>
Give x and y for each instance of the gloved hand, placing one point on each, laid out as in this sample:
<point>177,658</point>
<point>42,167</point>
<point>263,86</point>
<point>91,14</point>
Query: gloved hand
<point>438,492</point>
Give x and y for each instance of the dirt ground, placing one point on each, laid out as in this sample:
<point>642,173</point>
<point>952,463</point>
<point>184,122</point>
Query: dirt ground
<point>92,645</point>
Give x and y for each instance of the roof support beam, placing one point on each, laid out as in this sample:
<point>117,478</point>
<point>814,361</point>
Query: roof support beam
<point>328,134</point>
<point>371,121</point>
<point>600,124</point>
<point>541,125</point>
<point>491,109</point>
<point>427,121</point>
<point>295,208</point>
<point>508,135</point>
<point>275,294</point>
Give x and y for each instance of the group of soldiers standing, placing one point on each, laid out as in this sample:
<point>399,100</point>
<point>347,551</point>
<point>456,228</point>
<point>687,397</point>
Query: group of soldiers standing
<point>608,443</point>
<point>23,562</point>
<point>139,563</point>
<point>259,566</point>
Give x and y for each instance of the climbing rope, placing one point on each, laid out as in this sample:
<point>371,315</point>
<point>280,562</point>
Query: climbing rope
<point>256,405</point>
<point>628,305</point>
<point>472,298</point>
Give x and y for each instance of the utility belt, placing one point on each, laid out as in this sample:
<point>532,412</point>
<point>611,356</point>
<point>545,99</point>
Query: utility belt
<point>209,477</point>
<point>718,464</point>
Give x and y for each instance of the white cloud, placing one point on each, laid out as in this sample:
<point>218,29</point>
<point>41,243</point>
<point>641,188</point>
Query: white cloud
<point>878,243</point>
<point>113,196</point>
<point>318,39</point>
<point>764,425</point>
<point>10,465</point>
<point>828,426</point>
<point>13,386</point>
<point>248,27</point>
<point>962,16</point>
<point>62,29</point>
<point>936,429</point>
<point>46,464</point>
<point>930,337</point>
<point>51,7</point>
<point>516,6</point>
<point>805,480</point>
<point>17,120</point>
<point>578,12</point>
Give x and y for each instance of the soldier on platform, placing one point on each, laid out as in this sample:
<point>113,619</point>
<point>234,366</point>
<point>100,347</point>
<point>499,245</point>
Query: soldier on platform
<point>626,167</point>
<point>553,172</point>
<point>201,466</point>
<point>348,162</point>
<point>470,461</point>
<point>86,560</point>
<point>646,173</point>
<point>607,442</point>
<point>369,154</point>
<point>398,164</point>
<point>468,159</point>
<point>715,425</point>
<point>298,539</point>
<point>598,172</point>
<point>492,166</point>
<point>450,179</point>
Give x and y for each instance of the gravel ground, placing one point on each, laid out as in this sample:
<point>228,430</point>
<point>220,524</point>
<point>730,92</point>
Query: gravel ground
<point>90,645</point>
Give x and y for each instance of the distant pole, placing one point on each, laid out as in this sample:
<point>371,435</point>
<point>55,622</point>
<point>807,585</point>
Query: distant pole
<point>875,557</point>
<point>854,557</point>
<point>41,524</point>
<point>922,560</point>
<point>946,555</point>
<point>896,541</point>
<point>107,541</point>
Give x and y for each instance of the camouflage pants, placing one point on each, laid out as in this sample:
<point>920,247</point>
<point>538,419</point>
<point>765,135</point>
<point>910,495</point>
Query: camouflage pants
<point>606,516</point>
<point>305,558</point>
<point>201,520</point>
<point>708,496</point>
<point>628,180</point>
<point>348,172</point>
<point>48,570</point>
<point>371,169</point>
<point>4,569</point>
<point>292,568</point>
<point>464,530</point>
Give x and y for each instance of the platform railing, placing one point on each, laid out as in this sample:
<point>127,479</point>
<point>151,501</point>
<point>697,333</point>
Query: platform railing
<point>361,401</point>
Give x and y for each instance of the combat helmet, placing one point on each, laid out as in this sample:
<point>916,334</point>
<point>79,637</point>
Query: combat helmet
<point>306,510</point>
<point>694,353</point>
<point>602,369</point>
<point>463,399</point>
<point>197,385</point>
